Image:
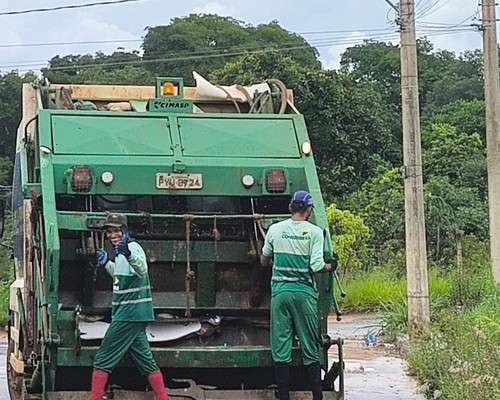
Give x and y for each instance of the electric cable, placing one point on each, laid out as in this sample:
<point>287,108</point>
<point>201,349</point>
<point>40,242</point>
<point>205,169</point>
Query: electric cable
<point>36,10</point>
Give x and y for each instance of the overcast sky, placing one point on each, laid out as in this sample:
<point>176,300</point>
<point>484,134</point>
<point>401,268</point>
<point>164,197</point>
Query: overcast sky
<point>27,41</point>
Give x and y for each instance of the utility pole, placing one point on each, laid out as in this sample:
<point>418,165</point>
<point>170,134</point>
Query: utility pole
<point>416,255</point>
<point>491,99</point>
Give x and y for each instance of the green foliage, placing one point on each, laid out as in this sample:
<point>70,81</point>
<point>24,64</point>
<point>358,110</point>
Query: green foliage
<point>460,361</point>
<point>253,68</point>
<point>458,156</point>
<point>349,127</point>
<point>6,278</point>
<point>366,291</point>
<point>461,79</point>
<point>451,209</point>
<point>455,182</point>
<point>10,110</point>
<point>349,237</point>
<point>381,290</point>
<point>472,281</point>
<point>466,116</point>
<point>350,131</point>
<point>394,317</point>
<point>380,203</point>
<point>378,63</point>
<point>118,68</point>
<point>6,271</point>
<point>204,43</point>
<point>5,171</point>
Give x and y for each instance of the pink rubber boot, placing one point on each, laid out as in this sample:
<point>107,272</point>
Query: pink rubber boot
<point>155,379</point>
<point>99,379</point>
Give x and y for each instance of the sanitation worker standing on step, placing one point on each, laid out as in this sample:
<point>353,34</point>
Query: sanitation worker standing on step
<point>132,310</point>
<point>296,246</point>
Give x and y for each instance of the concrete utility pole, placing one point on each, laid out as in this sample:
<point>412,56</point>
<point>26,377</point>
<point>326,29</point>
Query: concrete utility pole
<point>416,255</point>
<point>491,98</point>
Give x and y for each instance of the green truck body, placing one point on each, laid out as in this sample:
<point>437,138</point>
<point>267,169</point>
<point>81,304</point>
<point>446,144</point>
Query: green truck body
<point>200,181</point>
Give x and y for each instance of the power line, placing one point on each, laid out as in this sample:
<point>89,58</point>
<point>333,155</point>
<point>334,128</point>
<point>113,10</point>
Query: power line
<point>426,25</point>
<point>14,45</point>
<point>226,51</point>
<point>36,10</point>
<point>242,51</point>
<point>380,35</point>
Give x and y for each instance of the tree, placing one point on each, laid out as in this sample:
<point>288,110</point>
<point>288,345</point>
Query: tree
<point>460,79</point>
<point>10,110</point>
<point>119,68</point>
<point>466,116</point>
<point>378,63</point>
<point>349,126</point>
<point>448,208</point>
<point>349,238</point>
<point>205,43</point>
<point>458,156</point>
<point>380,203</point>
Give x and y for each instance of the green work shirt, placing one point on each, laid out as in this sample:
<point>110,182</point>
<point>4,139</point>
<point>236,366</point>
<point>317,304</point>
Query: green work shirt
<point>132,299</point>
<point>297,250</point>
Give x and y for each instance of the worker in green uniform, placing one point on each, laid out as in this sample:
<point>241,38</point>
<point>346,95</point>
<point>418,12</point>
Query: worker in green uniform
<point>132,310</point>
<point>294,247</point>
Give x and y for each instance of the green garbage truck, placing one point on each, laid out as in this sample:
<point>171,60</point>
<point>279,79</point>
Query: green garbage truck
<point>201,173</point>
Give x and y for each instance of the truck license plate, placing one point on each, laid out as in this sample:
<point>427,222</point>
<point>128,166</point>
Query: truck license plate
<point>179,181</point>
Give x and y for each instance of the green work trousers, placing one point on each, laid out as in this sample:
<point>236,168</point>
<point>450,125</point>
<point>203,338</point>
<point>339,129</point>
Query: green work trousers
<point>120,337</point>
<point>294,311</point>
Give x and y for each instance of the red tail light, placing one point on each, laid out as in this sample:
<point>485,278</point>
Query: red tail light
<point>81,179</point>
<point>275,181</point>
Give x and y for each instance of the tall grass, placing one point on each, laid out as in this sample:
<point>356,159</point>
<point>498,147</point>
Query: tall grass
<point>461,359</point>
<point>381,290</point>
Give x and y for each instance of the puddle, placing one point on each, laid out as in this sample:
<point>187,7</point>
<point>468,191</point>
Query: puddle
<point>372,372</point>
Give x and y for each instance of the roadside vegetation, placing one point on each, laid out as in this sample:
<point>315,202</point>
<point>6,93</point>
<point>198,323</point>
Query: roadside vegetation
<point>353,116</point>
<point>460,358</point>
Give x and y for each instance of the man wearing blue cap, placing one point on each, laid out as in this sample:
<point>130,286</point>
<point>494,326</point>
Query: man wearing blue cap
<point>296,246</point>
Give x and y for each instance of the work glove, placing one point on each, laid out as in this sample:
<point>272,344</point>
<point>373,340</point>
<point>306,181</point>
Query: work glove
<point>125,235</point>
<point>102,258</point>
<point>333,262</point>
<point>122,246</point>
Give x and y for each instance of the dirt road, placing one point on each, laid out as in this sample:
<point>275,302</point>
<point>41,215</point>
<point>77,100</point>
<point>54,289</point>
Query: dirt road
<point>372,372</point>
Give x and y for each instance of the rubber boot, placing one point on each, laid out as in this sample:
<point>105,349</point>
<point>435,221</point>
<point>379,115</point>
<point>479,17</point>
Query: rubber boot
<point>314,374</point>
<point>155,380</point>
<point>99,380</point>
<point>282,371</point>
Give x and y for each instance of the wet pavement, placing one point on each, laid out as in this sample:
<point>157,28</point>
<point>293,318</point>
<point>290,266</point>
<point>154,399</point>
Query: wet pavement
<point>374,371</point>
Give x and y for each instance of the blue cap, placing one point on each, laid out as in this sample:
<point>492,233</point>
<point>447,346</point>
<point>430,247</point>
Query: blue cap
<point>302,198</point>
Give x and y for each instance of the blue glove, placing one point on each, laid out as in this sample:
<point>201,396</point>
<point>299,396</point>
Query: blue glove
<point>126,237</point>
<point>102,258</point>
<point>122,246</point>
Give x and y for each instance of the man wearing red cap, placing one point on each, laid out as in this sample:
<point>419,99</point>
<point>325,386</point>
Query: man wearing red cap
<point>296,246</point>
<point>132,310</point>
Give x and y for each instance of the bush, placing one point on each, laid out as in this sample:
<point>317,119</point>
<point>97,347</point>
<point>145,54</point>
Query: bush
<point>460,361</point>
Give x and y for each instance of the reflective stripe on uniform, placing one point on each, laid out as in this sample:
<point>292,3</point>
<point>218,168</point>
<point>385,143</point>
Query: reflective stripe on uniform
<point>123,291</point>
<point>118,303</point>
